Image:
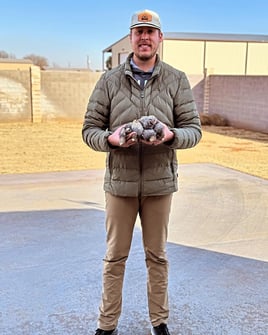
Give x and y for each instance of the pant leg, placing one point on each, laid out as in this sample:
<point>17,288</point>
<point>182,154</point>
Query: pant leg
<point>121,213</point>
<point>154,213</point>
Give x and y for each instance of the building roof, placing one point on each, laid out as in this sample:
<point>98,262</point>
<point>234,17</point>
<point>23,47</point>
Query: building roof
<point>216,37</point>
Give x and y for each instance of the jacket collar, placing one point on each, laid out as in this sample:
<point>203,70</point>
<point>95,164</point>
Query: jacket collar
<point>128,70</point>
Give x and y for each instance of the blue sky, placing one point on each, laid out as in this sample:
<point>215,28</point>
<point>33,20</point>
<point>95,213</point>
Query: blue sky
<point>68,33</point>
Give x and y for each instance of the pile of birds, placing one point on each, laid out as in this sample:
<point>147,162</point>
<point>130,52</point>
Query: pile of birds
<point>147,128</point>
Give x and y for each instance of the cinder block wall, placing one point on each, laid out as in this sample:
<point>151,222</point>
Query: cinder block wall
<point>243,100</point>
<point>65,94</point>
<point>31,95</point>
<point>197,84</point>
<point>15,95</point>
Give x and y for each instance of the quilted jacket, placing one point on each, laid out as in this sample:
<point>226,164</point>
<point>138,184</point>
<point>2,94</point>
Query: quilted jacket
<point>141,170</point>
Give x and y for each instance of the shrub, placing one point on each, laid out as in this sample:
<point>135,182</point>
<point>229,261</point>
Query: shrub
<point>213,120</point>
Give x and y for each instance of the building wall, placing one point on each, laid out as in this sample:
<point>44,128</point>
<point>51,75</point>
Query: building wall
<point>225,57</point>
<point>187,56</point>
<point>216,57</point>
<point>257,62</point>
<point>122,47</point>
<point>207,57</point>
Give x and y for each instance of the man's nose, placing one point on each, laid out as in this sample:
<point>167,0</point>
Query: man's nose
<point>144,35</point>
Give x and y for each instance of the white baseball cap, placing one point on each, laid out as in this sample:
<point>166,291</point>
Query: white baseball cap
<point>145,18</point>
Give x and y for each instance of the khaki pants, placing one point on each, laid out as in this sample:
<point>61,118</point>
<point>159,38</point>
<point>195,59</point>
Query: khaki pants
<point>121,214</point>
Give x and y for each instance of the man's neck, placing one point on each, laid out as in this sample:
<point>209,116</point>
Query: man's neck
<point>144,65</point>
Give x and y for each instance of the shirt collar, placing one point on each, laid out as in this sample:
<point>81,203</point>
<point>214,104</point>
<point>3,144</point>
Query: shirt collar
<point>135,67</point>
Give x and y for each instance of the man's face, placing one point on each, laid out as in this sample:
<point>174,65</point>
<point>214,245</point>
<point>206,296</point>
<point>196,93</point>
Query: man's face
<point>145,42</point>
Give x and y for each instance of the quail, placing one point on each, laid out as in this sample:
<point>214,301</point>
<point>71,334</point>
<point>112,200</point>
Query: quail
<point>148,128</point>
<point>153,129</point>
<point>134,127</point>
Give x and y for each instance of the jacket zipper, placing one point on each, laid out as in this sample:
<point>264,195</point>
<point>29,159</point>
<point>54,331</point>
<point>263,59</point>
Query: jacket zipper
<point>142,95</point>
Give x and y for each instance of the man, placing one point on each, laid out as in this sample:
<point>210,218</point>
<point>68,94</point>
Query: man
<point>141,174</point>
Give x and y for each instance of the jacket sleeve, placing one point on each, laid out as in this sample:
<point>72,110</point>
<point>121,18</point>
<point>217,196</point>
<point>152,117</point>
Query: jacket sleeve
<point>187,125</point>
<point>95,130</point>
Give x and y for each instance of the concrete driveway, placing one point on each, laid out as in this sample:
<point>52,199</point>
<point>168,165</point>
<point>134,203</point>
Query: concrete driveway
<point>52,243</point>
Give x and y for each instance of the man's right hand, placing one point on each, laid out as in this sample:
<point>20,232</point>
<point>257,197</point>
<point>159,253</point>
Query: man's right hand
<point>114,138</point>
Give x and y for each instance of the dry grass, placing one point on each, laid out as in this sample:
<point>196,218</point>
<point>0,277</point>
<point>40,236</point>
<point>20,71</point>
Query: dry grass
<point>45,147</point>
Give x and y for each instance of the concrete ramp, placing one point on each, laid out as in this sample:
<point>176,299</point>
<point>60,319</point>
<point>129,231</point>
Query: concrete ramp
<point>222,210</point>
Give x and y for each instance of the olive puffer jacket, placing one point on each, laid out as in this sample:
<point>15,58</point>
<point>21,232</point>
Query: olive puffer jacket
<point>141,170</point>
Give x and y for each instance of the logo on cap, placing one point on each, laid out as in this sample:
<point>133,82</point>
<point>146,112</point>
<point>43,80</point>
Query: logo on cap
<point>145,17</point>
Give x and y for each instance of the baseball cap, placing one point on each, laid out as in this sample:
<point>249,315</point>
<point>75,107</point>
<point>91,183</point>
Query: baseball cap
<point>145,18</point>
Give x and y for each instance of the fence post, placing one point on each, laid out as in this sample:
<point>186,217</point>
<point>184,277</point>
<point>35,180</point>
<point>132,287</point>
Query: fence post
<point>35,75</point>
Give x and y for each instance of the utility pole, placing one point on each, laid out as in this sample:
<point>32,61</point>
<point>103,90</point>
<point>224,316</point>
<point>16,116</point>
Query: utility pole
<point>88,62</point>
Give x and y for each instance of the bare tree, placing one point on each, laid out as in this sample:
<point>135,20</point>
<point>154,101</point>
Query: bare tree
<point>4,54</point>
<point>37,60</point>
<point>108,63</point>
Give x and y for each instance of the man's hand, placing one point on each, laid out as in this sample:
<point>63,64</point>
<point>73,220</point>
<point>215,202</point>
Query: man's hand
<point>124,136</point>
<point>115,138</point>
<point>168,135</point>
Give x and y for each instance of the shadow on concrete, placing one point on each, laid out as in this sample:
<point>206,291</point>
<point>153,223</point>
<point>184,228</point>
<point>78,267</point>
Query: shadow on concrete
<point>50,281</point>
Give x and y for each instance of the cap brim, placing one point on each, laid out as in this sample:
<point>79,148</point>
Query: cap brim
<point>145,25</point>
